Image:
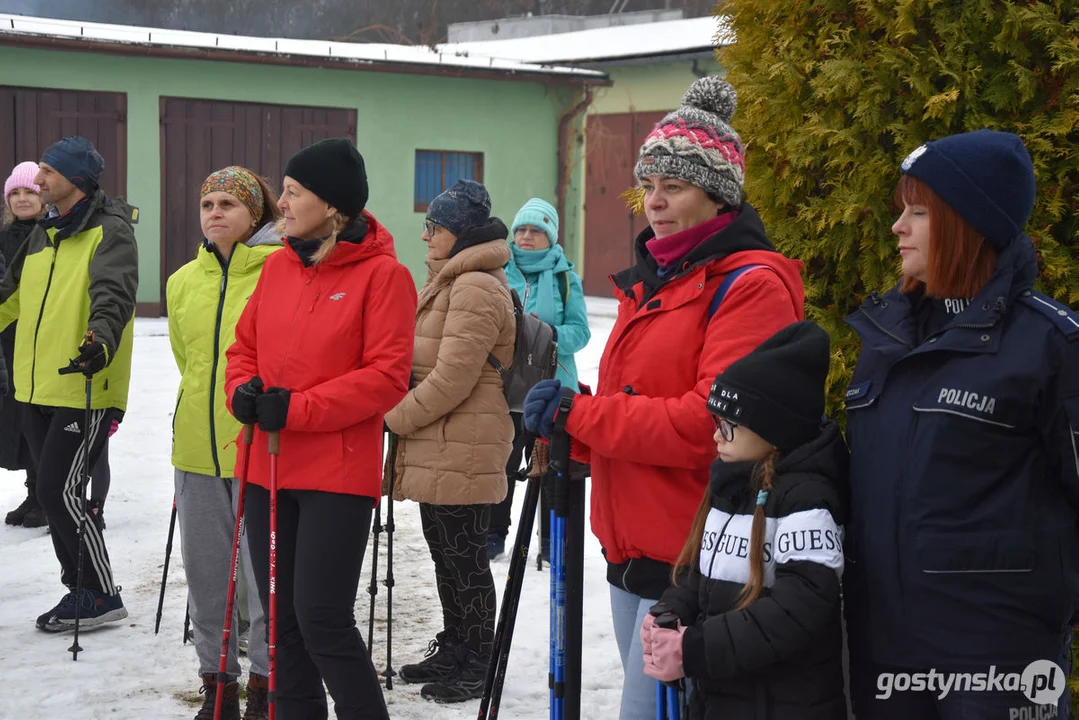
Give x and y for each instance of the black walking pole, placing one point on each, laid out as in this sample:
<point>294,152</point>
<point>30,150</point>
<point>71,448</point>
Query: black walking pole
<point>187,623</point>
<point>567,562</point>
<point>165,572</point>
<point>511,598</point>
<point>372,589</point>
<point>572,562</point>
<point>388,673</point>
<point>84,482</point>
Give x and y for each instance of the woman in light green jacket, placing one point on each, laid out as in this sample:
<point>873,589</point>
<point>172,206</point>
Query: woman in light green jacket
<point>205,298</point>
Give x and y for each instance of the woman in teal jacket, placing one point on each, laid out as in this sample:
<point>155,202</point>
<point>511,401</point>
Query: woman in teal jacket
<point>548,287</point>
<point>205,298</point>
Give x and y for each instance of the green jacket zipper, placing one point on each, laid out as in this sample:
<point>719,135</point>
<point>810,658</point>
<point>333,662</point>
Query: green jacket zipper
<point>40,317</point>
<point>217,357</point>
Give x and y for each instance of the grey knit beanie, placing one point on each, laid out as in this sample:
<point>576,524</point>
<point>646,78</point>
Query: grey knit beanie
<point>695,143</point>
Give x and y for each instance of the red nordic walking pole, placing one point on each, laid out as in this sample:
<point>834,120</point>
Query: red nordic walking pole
<point>230,602</point>
<point>275,448</point>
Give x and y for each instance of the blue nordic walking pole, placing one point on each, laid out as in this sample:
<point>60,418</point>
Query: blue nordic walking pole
<point>558,602</point>
<point>559,478</point>
<point>567,572</point>
<point>668,703</point>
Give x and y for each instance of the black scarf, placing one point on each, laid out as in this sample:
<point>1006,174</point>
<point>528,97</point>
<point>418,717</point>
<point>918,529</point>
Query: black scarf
<point>306,249</point>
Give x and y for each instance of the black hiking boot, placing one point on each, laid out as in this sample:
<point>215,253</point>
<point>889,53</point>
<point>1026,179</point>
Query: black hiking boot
<point>440,662</point>
<point>29,513</point>
<point>466,685</point>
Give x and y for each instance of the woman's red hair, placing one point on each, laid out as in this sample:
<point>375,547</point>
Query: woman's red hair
<point>961,262</point>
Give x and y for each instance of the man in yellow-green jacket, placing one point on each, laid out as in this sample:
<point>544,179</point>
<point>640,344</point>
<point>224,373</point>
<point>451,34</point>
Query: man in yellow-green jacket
<point>72,288</point>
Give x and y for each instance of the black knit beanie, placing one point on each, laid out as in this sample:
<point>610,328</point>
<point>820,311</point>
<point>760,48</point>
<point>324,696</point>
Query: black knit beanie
<point>777,391</point>
<point>332,169</point>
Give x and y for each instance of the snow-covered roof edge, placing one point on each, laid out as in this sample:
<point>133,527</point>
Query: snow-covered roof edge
<point>671,37</point>
<point>385,56</point>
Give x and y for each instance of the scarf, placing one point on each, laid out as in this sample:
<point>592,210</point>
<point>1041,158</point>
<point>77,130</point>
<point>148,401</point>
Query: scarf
<point>67,222</point>
<point>539,266</point>
<point>670,250</point>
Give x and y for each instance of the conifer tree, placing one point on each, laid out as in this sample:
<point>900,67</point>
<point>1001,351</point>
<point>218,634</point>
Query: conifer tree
<point>833,94</point>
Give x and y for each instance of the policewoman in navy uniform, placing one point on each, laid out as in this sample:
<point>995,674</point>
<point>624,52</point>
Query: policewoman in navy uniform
<point>962,414</point>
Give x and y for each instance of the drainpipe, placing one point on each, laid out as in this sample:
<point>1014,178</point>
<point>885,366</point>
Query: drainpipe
<point>565,152</point>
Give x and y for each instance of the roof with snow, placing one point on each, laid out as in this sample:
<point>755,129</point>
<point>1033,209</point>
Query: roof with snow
<point>77,35</point>
<point>671,37</point>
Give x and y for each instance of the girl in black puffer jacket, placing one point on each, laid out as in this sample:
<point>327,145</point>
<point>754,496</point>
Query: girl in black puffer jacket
<point>21,210</point>
<point>756,588</point>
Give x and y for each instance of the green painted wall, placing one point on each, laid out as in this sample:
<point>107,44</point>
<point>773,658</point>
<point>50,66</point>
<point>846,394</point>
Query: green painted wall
<point>648,88</point>
<point>515,125</point>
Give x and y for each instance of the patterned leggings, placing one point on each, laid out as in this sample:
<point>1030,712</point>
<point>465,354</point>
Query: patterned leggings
<point>457,537</point>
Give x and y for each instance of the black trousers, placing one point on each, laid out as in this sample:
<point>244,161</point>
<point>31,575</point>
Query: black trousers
<point>321,539</point>
<point>457,538</point>
<point>55,437</point>
<point>501,514</point>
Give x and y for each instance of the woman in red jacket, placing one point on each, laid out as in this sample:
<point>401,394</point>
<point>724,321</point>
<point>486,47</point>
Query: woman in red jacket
<point>707,288</point>
<point>323,350</point>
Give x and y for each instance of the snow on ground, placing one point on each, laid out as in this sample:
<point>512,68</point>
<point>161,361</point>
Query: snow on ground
<point>125,671</point>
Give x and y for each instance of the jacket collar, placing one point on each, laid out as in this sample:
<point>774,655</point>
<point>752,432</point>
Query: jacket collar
<point>483,257</point>
<point>352,245</point>
<point>495,229</point>
<point>245,256</point>
<point>745,232</point>
<point>890,318</point>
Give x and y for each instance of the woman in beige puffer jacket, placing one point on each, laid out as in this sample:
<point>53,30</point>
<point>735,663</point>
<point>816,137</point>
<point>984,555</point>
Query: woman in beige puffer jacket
<point>455,430</point>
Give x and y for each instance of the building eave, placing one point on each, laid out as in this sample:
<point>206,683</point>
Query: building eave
<point>546,74</point>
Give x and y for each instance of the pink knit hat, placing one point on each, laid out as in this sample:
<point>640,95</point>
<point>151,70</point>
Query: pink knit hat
<point>22,177</point>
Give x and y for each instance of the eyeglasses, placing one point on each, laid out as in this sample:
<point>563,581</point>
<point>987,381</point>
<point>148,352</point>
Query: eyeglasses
<point>429,228</point>
<point>725,427</point>
<point>530,230</point>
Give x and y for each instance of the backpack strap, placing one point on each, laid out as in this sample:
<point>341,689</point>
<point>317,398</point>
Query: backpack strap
<point>563,286</point>
<point>518,310</point>
<point>721,291</point>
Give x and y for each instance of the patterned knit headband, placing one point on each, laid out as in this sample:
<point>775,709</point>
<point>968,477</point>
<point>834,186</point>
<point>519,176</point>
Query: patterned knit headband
<point>239,183</point>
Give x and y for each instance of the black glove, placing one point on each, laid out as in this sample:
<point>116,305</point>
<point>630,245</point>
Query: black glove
<point>243,401</point>
<point>93,357</point>
<point>272,407</point>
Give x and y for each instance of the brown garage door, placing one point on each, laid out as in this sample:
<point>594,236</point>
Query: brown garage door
<point>609,227</point>
<point>31,119</point>
<point>200,136</point>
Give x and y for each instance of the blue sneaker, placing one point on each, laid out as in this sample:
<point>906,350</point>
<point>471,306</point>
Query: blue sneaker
<point>96,609</point>
<point>65,602</point>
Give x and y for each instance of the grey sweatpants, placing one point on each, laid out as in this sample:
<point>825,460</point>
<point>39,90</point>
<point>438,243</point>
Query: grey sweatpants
<point>206,509</point>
